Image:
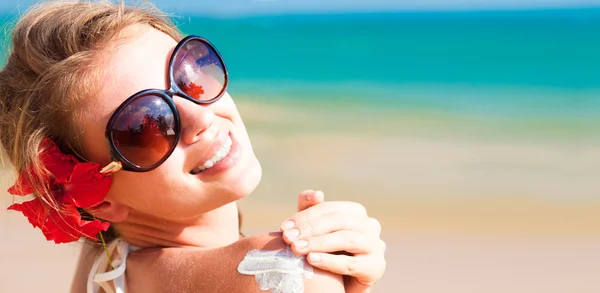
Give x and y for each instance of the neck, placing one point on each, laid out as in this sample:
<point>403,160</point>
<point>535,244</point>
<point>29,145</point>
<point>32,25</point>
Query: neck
<point>216,228</point>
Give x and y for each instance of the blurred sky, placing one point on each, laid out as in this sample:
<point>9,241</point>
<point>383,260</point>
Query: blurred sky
<point>243,7</point>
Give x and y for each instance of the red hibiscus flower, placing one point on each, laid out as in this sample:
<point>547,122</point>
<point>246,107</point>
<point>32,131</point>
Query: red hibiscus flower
<point>73,185</point>
<point>59,226</point>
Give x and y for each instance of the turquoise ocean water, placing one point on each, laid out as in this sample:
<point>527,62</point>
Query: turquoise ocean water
<point>538,63</point>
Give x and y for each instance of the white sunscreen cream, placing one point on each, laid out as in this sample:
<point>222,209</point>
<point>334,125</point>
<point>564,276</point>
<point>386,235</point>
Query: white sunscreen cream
<point>280,271</point>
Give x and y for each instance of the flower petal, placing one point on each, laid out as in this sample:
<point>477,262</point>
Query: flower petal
<point>22,187</point>
<point>91,229</point>
<point>54,225</point>
<point>34,211</point>
<point>86,187</point>
<point>58,163</point>
<point>68,226</point>
<point>60,227</point>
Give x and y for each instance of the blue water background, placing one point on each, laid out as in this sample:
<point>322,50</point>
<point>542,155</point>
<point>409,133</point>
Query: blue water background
<point>533,63</point>
<point>508,63</point>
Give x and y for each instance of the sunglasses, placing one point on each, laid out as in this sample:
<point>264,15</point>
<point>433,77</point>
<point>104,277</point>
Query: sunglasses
<point>144,130</point>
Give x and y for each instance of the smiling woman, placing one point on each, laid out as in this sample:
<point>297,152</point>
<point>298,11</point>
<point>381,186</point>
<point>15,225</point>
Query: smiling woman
<point>124,123</point>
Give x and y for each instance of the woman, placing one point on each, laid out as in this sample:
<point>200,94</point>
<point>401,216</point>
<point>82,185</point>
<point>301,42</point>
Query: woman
<point>123,131</point>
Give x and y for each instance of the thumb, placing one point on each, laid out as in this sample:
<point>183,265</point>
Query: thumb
<point>309,198</point>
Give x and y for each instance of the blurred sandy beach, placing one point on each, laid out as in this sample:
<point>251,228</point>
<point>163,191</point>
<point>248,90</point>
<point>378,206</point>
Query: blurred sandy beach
<point>465,206</point>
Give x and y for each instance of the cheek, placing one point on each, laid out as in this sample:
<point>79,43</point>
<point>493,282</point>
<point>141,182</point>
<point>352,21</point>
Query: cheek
<point>226,108</point>
<point>149,191</point>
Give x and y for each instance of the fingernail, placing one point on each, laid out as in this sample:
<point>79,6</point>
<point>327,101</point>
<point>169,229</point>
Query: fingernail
<point>292,234</point>
<point>314,258</point>
<point>308,196</point>
<point>301,243</point>
<point>287,225</point>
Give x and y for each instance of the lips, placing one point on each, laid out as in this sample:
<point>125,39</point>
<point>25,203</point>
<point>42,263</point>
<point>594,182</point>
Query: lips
<point>217,157</point>
<point>217,150</point>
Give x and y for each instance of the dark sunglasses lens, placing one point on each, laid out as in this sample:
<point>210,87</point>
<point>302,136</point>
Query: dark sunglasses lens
<point>198,70</point>
<point>144,132</point>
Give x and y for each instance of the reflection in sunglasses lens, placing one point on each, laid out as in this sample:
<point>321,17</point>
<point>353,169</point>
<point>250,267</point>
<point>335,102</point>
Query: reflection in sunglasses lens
<point>144,131</point>
<point>199,71</point>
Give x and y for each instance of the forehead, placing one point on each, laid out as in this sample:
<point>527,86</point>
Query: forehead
<point>138,62</point>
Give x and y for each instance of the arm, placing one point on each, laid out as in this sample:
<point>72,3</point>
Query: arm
<point>212,270</point>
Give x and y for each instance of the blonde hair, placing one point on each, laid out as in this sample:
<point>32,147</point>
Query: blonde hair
<point>52,68</point>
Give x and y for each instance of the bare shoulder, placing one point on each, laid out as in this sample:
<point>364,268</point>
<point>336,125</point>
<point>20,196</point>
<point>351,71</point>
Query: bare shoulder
<point>262,260</point>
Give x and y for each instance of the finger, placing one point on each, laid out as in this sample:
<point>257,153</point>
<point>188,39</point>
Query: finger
<point>323,208</point>
<point>346,240</point>
<point>309,198</point>
<point>367,270</point>
<point>304,199</point>
<point>328,223</point>
<point>374,227</point>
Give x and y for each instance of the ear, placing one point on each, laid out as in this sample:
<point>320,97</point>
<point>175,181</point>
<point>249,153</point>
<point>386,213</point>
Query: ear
<point>111,211</point>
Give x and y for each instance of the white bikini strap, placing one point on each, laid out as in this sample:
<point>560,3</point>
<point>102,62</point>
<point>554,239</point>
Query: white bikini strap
<point>117,274</point>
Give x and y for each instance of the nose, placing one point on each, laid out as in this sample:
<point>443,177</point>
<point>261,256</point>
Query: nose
<point>195,119</point>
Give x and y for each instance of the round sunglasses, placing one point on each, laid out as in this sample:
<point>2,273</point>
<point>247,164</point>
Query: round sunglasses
<point>144,130</point>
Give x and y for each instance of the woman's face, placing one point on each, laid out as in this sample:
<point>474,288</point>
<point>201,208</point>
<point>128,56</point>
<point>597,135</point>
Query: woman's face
<point>172,191</point>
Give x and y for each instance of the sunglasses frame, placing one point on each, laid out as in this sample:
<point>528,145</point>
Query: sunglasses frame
<point>121,162</point>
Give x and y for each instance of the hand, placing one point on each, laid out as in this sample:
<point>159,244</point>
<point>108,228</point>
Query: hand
<point>321,230</point>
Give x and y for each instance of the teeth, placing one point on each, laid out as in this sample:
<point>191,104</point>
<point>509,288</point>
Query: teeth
<point>222,153</point>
